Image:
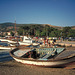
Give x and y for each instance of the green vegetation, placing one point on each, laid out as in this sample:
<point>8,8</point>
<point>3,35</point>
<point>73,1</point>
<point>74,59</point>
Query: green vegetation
<point>40,30</point>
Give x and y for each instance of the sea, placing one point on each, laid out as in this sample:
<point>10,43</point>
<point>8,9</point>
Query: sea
<point>4,54</point>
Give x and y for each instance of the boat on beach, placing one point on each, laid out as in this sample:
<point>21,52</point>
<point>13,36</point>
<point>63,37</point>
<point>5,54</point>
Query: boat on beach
<point>45,57</point>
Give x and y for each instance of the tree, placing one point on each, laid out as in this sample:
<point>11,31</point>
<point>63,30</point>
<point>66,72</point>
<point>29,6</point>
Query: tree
<point>37,33</point>
<point>66,31</point>
<point>71,33</point>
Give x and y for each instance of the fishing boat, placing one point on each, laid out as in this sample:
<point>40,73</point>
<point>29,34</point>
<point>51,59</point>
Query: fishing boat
<point>27,41</point>
<point>45,57</point>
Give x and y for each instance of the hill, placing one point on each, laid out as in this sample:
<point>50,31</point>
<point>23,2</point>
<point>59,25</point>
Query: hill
<point>2,25</point>
<point>17,25</point>
<point>73,27</point>
<point>6,24</point>
<point>56,27</point>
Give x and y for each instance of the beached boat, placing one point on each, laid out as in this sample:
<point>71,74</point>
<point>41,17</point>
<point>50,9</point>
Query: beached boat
<point>47,57</point>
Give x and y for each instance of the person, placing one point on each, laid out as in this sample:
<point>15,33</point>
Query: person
<point>44,42</point>
<point>30,54</point>
<point>47,42</point>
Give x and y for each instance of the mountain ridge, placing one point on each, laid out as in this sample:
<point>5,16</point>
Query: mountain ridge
<point>7,24</point>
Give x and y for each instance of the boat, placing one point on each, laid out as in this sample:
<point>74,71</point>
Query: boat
<point>11,41</point>
<point>44,57</point>
<point>27,41</point>
<point>6,46</point>
<point>3,40</point>
<point>8,40</point>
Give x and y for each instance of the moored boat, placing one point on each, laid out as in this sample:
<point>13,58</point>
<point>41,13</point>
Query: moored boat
<point>6,46</point>
<point>27,41</point>
<point>47,57</point>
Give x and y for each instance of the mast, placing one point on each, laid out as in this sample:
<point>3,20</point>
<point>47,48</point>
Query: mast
<point>15,27</point>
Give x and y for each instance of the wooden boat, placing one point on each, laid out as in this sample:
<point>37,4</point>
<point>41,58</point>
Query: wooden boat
<point>47,57</point>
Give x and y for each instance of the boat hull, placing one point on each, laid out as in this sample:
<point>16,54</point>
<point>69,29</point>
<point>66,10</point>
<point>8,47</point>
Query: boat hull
<point>7,48</point>
<point>44,62</point>
<point>24,44</point>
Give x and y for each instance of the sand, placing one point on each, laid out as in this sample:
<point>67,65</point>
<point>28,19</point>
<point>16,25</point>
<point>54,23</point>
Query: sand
<point>14,68</point>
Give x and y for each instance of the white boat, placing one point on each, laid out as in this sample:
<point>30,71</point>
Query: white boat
<point>27,41</point>
<point>11,41</point>
<point>3,40</point>
<point>7,40</point>
<point>6,46</point>
<point>47,57</point>
<point>24,44</point>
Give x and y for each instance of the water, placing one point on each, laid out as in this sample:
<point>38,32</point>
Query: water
<point>5,56</point>
<point>4,44</point>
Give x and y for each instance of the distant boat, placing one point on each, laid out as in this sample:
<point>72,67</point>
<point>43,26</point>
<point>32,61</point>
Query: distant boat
<point>6,46</point>
<point>7,40</point>
<point>46,57</point>
<point>3,40</point>
<point>27,41</point>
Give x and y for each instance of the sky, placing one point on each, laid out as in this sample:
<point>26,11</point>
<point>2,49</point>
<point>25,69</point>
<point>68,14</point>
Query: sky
<point>54,12</point>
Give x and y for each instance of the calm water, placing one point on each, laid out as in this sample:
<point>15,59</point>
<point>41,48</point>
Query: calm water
<point>4,44</point>
<point>4,54</point>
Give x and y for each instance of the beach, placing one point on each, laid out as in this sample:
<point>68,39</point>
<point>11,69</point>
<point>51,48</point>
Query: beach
<point>14,68</point>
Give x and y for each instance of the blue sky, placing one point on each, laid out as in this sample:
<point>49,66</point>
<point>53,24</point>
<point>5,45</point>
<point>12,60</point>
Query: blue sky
<point>54,12</point>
